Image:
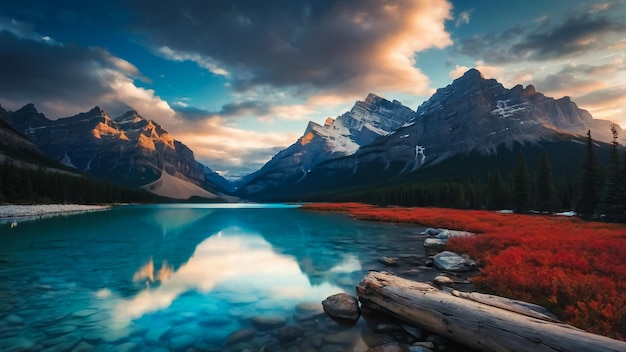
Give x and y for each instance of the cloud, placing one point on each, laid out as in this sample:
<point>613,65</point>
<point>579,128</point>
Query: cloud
<point>63,80</point>
<point>204,62</point>
<point>463,18</point>
<point>576,34</point>
<point>304,46</point>
<point>232,151</point>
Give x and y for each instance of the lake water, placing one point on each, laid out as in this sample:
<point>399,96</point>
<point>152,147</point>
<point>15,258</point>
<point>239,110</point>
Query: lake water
<point>190,277</point>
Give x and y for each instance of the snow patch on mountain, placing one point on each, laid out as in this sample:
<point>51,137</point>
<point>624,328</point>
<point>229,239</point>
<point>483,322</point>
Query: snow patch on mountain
<point>503,109</point>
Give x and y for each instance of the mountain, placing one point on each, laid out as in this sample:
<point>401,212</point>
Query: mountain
<point>474,117</point>
<point>128,150</point>
<point>21,151</point>
<point>363,124</point>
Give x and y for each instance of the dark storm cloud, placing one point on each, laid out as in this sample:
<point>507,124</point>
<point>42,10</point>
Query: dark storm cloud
<point>540,41</point>
<point>236,109</point>
<point>605,97</point>
<point>304,44</point>
<point>35,71</point>
<point>251,107</point>
<point>578,77</point>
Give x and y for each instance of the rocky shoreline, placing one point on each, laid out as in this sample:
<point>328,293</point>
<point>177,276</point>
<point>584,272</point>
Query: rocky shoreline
<point>11,212</point>
<point>339,323</point>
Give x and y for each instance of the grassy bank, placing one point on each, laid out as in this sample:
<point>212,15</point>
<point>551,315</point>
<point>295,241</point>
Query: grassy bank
<point>575,268</point>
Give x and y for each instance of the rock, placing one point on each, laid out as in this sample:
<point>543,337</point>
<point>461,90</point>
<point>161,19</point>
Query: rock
<point>13,320</point>
<point>425,344</point>
<point>435,243</point>
<point>450,261</point>
<point>431,232</point>
<point>268,322</point>
<point>329,348</point>
<point>470,262</point>
<point>419,349</point>
<point>240,336</point>
<point>437,340</point>
<point>83,347</point>
<point>214,321</point>
<point>454,233</point>
<point>388,261</point>
<point>342,306</point>
<point>60,330</point>
<point>126,347</point>
<point>413,331</point>
<point>181,342</point>
<point>442,280</point>
<point>308,310</point>
<point>84,313</point>
<point>387,327</point>
<point>17,344</point>
<point>386,348</point>
<point>341,338</point>
<point>289,333</point>
<point>155,335</point>
<point>64,342</point>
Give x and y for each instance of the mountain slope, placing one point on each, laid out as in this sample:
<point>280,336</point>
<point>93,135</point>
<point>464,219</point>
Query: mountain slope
<point>17,148</point>
<point>129,150</point>
<point>364,123</point>
<point>471,115</point>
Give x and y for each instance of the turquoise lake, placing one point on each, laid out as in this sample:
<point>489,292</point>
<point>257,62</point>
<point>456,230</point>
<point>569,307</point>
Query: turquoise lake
<point>189,277</point>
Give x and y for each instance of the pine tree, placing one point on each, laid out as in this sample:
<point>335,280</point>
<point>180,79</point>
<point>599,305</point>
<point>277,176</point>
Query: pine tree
<point>589,185</point>
<point>620,211</point>
<point>546,198</point>
<point>613,200</point>
<point>521,186</point>
<point>497,193</point>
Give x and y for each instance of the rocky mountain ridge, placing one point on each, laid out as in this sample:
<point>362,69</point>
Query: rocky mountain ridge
<point>471,115</point>
<point>363,124</point>
<point>128,150</point>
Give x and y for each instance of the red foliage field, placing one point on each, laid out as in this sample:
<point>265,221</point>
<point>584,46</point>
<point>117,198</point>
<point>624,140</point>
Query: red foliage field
<point>575,268</point>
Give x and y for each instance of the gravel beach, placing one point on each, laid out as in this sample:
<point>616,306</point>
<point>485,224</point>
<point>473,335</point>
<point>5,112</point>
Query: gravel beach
<point>25,211</point>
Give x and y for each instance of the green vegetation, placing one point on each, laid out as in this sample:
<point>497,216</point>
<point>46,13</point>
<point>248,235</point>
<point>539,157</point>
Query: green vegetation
<point>590,183</point>
<point>27,186</point>
<point>545,198</point>
<point>521,186</point>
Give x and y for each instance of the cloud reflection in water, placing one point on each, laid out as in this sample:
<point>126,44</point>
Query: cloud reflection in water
<point>237,263</point>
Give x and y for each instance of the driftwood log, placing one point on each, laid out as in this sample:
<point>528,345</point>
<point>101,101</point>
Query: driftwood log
<point>484,322</point>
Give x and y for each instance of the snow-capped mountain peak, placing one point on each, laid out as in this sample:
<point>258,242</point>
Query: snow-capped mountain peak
<point>367,121</point>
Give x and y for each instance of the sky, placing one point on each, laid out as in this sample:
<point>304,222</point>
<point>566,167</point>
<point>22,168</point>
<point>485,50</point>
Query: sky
<point>237,81</point>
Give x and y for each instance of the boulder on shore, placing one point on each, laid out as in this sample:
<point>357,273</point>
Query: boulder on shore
<point>451,262</point>
<point>342,306</point>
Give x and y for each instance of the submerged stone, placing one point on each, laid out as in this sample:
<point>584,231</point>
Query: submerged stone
<point>182,342</point>
<point>240,336</point>
<point>342,306</point>
<point>267,322</point>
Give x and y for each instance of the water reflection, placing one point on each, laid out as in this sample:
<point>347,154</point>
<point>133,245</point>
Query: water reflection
<point>237,263</point>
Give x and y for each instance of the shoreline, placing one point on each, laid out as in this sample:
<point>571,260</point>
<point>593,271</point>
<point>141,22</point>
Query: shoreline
<point>12,212</point>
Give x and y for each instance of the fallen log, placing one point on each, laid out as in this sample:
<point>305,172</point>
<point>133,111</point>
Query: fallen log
<point>479,321</point>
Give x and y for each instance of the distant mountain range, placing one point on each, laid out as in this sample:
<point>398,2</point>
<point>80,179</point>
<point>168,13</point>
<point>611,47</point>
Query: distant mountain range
<point>128,150</point>
<point>366,122</point>
<point>465,130</point>
<point>473,116</point>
